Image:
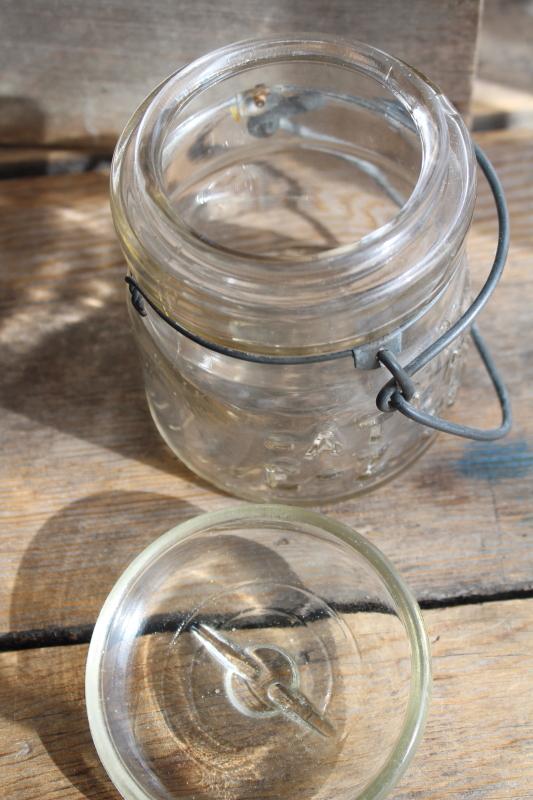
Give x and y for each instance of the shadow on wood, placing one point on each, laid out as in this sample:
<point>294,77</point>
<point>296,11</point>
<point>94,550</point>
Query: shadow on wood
<point>93,540</point>
<point>69,360</point>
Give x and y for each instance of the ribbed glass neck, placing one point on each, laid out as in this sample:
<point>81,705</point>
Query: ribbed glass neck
<point>242,186</point>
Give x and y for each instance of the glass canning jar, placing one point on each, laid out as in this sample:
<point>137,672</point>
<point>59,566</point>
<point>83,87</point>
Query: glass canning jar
<point>294,197</point>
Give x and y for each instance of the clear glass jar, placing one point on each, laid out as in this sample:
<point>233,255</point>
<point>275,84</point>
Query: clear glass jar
<point>294,197</point>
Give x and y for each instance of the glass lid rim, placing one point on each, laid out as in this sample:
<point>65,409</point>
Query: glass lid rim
<point>407,607</point>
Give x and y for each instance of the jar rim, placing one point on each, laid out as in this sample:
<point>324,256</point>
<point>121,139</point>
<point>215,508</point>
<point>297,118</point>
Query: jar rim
<point>355,267</point>
<point>386,70</point>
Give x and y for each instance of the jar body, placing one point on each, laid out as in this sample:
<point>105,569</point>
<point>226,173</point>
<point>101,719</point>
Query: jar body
<point>308,433</point>
<point>322,209</point>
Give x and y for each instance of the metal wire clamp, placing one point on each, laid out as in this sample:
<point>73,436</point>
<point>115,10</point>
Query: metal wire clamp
<point>397,394</point>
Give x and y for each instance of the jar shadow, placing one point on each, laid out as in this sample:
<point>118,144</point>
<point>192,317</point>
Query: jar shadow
<point>63,579</point>
<point>68,357</point>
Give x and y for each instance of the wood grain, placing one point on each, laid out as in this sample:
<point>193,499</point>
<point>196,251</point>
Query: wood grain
<point>478,742</point>
<point>506,44</point>
<point>86,482</point>
<point>503,88</point>
<point>75,71</point>
<point>496,106</point>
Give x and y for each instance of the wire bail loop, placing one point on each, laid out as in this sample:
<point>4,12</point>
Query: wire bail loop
<point>397,393</point>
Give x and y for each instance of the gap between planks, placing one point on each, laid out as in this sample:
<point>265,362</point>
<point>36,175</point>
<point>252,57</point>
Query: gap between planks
<point>66,636</point>
<point>477,743</point>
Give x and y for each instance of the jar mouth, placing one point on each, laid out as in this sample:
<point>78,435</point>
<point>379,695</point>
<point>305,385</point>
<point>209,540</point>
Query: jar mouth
<point>417,108</point>
<point>182,223</point>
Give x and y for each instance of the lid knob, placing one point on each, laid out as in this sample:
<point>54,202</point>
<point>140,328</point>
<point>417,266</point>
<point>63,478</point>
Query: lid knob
<point>270,677</point>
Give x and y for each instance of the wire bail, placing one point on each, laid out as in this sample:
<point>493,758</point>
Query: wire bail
<point>394,397</point>
<point>397,393</point>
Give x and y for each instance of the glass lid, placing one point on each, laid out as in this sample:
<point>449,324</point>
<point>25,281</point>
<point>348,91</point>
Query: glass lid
<point>258,652</point>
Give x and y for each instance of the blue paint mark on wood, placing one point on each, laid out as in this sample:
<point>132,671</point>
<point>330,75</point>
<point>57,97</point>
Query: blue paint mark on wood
<point>494,461</point>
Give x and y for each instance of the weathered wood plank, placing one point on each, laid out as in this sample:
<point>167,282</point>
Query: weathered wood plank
<point>478,742</point>
<point>503,88</point>
<point>506,44</point>
<point>75,71</point>
<point>86,482</point>
<point>495,106</point>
